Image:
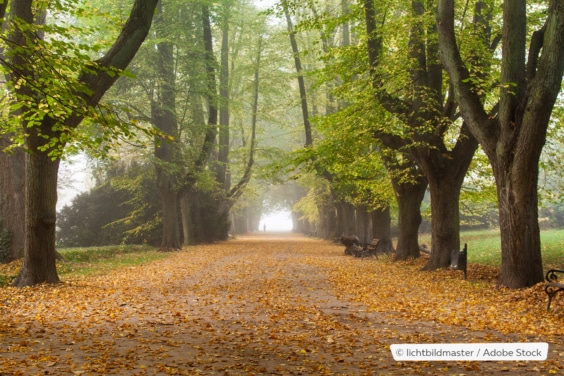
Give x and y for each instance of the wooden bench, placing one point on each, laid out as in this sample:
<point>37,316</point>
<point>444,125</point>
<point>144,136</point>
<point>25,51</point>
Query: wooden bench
<point>554,284</point>
<point>368,249</point>
<point>370,246</point>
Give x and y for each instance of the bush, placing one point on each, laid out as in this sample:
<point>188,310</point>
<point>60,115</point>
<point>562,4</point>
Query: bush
<point>123,209</point>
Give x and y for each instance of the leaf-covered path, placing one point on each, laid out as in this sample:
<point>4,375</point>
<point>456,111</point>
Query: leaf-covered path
<point>269,305</point>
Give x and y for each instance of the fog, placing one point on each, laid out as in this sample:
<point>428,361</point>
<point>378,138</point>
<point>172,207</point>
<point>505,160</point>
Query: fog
<point>277,221</point>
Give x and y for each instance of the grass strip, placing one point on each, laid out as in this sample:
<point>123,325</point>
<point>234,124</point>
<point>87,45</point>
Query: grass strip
<point>89,261</point>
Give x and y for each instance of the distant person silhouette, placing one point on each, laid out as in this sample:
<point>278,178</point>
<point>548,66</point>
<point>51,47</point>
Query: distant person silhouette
<point>264,227</point>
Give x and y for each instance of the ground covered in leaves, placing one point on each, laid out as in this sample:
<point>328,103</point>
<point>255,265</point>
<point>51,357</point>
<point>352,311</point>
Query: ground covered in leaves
<point>271,305</point>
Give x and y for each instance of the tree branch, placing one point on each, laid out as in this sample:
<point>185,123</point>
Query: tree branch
<point>466,94</point>
<point>98,77</point>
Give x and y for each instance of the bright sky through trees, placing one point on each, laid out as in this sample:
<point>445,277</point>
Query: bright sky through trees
<point>277,221</point>
<point>75,177</point>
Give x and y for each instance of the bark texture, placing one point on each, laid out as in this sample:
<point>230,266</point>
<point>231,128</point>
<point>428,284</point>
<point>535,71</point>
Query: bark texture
<point>409,197</point>
<point>12,205</point>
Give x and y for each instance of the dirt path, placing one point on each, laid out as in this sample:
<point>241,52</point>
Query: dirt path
<point>255,305</point>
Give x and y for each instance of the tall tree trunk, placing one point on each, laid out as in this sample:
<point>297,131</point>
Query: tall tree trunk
<point>299,71</point>
<point>345,219</point>
<point>40,202</point>
<point>409,197</point>
<point>521,261</point>
<point>237,190</point>
<point>223,139</point>
<point>382,229</point>
<point>445,177</point>
<point>327,219</point>
<point>210,132</point>
<point>170,238</point>
<point>253,218</point>
<point>12,205</point>
<point>322,228</point>
<point>363,224</point>
<point>39,264</point>
<point>185,192</point>
<point>242,221</point>
<point>195,206</point>
<point>163,113</point>
<point>187,225</point>
<point>445,224</point>
<point>211,94</point>
<point>12,188</point>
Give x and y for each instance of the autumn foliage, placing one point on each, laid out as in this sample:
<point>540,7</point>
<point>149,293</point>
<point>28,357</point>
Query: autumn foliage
<point>259,305</point>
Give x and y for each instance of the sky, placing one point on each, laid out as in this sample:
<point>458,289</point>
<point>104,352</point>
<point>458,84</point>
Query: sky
<point>74,177</point>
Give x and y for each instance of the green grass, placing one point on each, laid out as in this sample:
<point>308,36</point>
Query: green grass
<point>100,260</point>
<point>88,261</point>
<point>484,247</point>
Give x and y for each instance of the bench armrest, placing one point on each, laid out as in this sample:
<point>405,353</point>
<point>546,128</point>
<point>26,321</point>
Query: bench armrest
<point>552,275</point>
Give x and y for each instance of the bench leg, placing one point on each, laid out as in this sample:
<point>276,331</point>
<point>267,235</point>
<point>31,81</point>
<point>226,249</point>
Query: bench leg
<point>551,292</point>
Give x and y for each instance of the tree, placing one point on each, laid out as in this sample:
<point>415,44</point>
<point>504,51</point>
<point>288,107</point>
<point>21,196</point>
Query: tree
<point>123,208</point>
<point>429,116</point>
<point>176,77</point>
<point>163,116</point>
<point>222,173</point>
<point>410,185</point>
<point>196,154</point>
<point>50,108</point>
<point>229,56</point>
<point>514,138</point>
<point>299,72</point>
<point>345,134</point>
